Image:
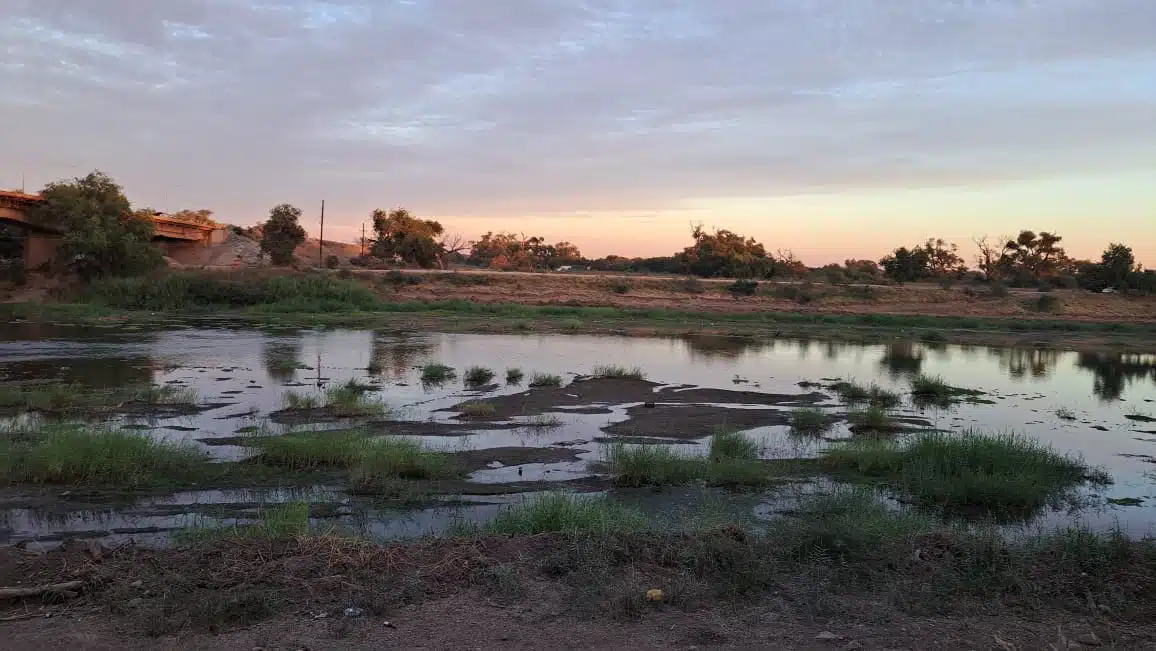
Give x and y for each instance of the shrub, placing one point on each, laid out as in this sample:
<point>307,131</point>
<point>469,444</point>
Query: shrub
<point>743,287</point>
<point>478,375</point>
<point>545,380</point>
<point>282,234</point>
<point>691,285</point>
<point>809,420</point>
<point>514,376</point>
<point>437,373</point>
<point>1048,303</point>
<point>332,262</point>
<point>619,372</point>
<point>620,287</point>
<point>732,445</point>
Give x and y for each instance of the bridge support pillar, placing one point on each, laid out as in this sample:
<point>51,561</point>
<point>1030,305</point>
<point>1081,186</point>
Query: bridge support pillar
<point>39,249</point>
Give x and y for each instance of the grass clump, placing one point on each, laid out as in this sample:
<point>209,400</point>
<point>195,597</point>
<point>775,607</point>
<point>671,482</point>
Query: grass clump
<point>726,444</point>
<point>478,375</point>
<point>477,410</point>
<point>279,522</point>
<point>311,451</point>
<point>875,419</point>
<point>933,390</point>
<point>385,461</point>
<point>1063,413</point>
<point>351,399</point>
<point>67,454</point>
<point>295,400</point>
<point>619,372</point>
<point>874,395</point>
<point>545,380</point>
<point>968,470</point>
<point>166,394</point>
<point>282,293</point>
<point>566,513</point>
<point>809,420</point>
<point>514,376</point>
<point>437,373</point>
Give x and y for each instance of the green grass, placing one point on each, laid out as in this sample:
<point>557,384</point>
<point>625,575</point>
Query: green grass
<point>386,461</point>
<point>873,395</point>
<point>966,470</point>
<point>286,293</point>
<point>279,522</point>
<point>57,397</point>
<point>545,380</point>
<point>933,390</point>
<point>514,376</point>
<point>1063,413</point>
<point>539,423</point>
<point>351,399</point>
<point>566,513</point>
<point>876,419</point>
<point>68,454</point>
<point>437,373</point>
<point>478,375</point>
<point>477,410</point>
<point>166,394</point>
<point>810,421</point>
<point>732,461</point>
<point>294,400</point>
<point>310,451</point>
<point>619,372</point>
<point>726,444</point>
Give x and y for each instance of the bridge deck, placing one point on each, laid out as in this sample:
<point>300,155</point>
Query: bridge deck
<point>14,205</point>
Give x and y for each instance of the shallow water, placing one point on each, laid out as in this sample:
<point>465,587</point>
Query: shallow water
<point>244,371</point>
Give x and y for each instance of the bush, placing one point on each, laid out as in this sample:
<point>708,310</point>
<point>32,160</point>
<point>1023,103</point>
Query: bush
<point>285,293</point>
<point>997,290</point>
<point>743,287</point>
<point>620,287</point>
<point>282,234</point>
<point>332,262</point>
<point>1048,303</point>
<point>691,285</point>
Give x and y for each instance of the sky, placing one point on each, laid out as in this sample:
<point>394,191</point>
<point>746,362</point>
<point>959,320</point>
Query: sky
<point>833,128</point>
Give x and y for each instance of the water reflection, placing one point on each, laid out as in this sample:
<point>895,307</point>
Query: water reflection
<point>281,356</point>
<point>393,355</point>
<point>94,373</point>
<point>1113,372</point>
<point>1024,362</point>
<point>723,347</point>
<point>902,358</point>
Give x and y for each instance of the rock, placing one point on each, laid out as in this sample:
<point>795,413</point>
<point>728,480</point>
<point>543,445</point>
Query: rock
<point>852,645</point>
<point>135,602</point>
<point>353,611</point>
<point>1089,639</point>
<point>136,584</point>
<point>654,594</point>
<point>828,636</point>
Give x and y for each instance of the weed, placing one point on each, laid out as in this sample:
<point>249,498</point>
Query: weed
<point>879,397</point>
<point>539,423</point>
<point>851,393</point>
<point>566,513</point>
<point>690,285</point>
<point>1063,413</point>
<point>514,376</point>
<point>655,465</point>
<point>875,419</point>
<point>387,460</point>
<point>166,394</point>
<point>309,293</point>
<point>478,375</point>
<point>67,454</point>
<point>619,287</point>
<point>294,400</point>
<point>437,373</point>
<point>545,380</point>
<point>279,522</point>
<point>933,390</point>
<point>310,451</point>
<point>570,325</point>
<point>972,469</point>
<point>725,444</point>
<point>351,399</point>
<point>477,410</point>
<point>619,372</point>
<point>1048,303</point>
<point>809,420</point>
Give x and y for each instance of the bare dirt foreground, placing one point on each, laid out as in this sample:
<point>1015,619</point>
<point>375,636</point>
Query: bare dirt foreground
<point>223,599</point>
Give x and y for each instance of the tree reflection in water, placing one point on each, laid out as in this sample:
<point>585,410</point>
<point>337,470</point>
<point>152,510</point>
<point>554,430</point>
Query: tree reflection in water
<point>1113,372</point>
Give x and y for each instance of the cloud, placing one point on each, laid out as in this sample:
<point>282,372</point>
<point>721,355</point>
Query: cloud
<point>568,106</point>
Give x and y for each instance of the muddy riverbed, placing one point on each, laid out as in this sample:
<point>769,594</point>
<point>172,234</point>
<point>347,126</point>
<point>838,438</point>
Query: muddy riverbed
<point>527,439</point>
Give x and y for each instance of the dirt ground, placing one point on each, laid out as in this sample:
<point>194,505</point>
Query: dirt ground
<point>656,292</point>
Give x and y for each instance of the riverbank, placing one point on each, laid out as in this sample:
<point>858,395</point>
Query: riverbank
<point>551,303</point>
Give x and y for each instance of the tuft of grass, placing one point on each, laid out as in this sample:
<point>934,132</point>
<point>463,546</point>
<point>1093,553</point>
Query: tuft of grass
<point>385,461</point>
<point>968,470</point>
<point>725,444</point>
<point>294,400</point>
<point>437,373</point>
<point>67,454</point>
<point>619,372</point>
<point>851,393</point>
<point>311,451</point>
<point>279,522</point>
<point>657,465</point>
<point>166,394</point>
<point>566,513</point>
<point>478,375</point>
<point>1063,413</point>
<point>477,410</point>
<point>539,423</point>
<point>809,420</point>
<point>545,380</point>
<point>514,376</point>
<point>933,390</point>
<point>877,396</point>
<point>875,419</point>
<point>351,399</point>
<point>619,286</point>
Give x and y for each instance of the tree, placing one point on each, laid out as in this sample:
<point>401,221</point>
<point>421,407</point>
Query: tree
<point>282,234</point>
<point>201,216</point>
<point>907,265</point>
<point>516,251</point>
<point>402,236</point>
<point>992,259</point>
<point>1033,257</point>
<point>1117,267</point>
<point>943,258</point>
<point>727,254</point>
<point>102,235</point>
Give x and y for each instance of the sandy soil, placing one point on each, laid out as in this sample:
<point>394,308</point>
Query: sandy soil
<point>657,292</point>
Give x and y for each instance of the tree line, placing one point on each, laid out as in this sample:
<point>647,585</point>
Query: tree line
<point>104,235</point>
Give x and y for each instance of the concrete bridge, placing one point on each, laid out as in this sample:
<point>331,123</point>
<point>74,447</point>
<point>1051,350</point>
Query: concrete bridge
<point>40,240</point>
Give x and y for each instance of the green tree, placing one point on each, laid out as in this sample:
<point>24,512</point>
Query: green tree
<point>1117,267</point>
<point>943,259</point>
<point>102,235</point>
<point>282,234</point>
<point>907,265</point>
<point>1032,257</point>
<point>402,236</point>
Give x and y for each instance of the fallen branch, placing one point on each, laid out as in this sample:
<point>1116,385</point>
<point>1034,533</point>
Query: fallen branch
<point>52,588</point>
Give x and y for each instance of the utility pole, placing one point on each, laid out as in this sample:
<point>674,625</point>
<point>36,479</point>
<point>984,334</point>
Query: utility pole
<point>321,239</point>
<point>363,238</point>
